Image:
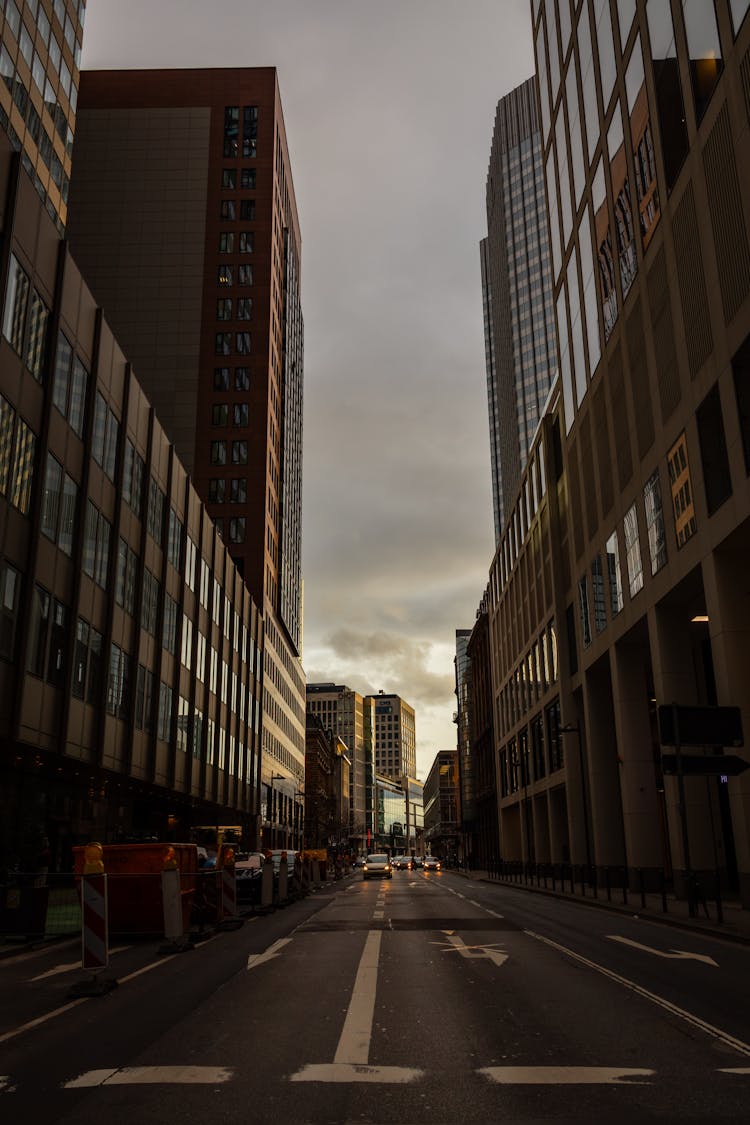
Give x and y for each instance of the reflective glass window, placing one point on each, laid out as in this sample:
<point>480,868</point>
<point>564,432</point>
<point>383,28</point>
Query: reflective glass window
<point>704,50</point>
<point>633,560</point>
<point>669,103</point>
<point>739,11</point>
<point>588,80</point>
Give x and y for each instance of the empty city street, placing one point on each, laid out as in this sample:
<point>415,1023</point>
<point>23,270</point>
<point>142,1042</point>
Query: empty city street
<point>427,997</point>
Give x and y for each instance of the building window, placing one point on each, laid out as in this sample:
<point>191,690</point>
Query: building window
<point>221,378</point>
<point>242,378</point>
<point>240,414</point>
<point>10,590</point>
<point>224,308</point>
<point>169,628</point>
<point>36,335</point>
<point>174,539</point>
<point>118,685</point>
<point>237,530</point>
<point>633,560</point>
<point>585,614</point>
<point>126,575</point>
<point>716,476</point>
<point>186,642</point>
<point>244,275</point>
<point>220,414</point>
<point>613,571</point>
<point>704,51</point>
<point>229,179</point>
<point>247,242</point>
<point>244,308</point>
<point>238,490</point>
<point>243,342</point>
<point>164,722</point>
<point>231,131</point>
<point>217,490</point>
<point>250,132</point>
<point>226,242</point>
<point>669,103</point>
<point>657,539</point>
<point>96,540</point>
<point>155,513</point>
<point>144,690</point>
<point>226,210</point>
<point>38,629</point>
<point>191,555</point>
<point>16,299</point>
<point>218,453</point>
<point>682,495</point>
<point>51,491</point>
<point>149,602</point>
<point>225,275</point>
<point>597,588</point>
<point>247,178</point>
<point>87,663</point>
<point>133,475</point>
<point>223,343</point>
<point>105,437</point>
<point>239,452</point>
<point>247,209</point>
<point>554,738</point>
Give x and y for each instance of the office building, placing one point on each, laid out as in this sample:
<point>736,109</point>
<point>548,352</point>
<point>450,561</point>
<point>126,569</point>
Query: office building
<point>442,804</point>
<point>183,218</point>
<point>395,737</point>
<point>462,718</point>
<point>40,53</point>
<point>516,285</point>
<point>342,712</point>
<point>130,648</point>
<point>619,585</point>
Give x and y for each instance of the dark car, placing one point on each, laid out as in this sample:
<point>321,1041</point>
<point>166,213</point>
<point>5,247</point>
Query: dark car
<point>431,863</point>
<point>377,867</point>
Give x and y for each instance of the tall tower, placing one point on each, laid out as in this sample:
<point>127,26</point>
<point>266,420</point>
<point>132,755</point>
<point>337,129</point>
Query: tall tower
<point>395,736</point>
<point>517,292</point>
<point>183,217</point>
<point>345,713</point>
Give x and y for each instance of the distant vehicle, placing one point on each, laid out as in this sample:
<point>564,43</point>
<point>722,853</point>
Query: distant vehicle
<point>401,863</point>
<point>276,855</point>
<point>377,867</point>
<point>418,862</point>
<point>431,863</point>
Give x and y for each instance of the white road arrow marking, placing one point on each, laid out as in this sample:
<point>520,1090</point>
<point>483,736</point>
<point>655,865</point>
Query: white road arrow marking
<point>256,959</point>
<point>673,955</point>
<point>479,952</point>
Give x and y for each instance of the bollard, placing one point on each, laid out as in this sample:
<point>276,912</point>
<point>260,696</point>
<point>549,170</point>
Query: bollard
<point>229,919</point>
<point>283,879</point>
<point>171,900</point>
<point>266,885</point>
<point>94,926</point>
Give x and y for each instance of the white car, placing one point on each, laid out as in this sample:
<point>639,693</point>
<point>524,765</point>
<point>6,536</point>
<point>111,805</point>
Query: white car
<point>377,867</point>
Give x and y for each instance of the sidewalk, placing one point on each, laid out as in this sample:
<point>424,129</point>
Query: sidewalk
<point>735,926</point>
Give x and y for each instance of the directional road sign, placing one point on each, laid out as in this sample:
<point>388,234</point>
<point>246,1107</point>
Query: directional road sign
<point>692,764</point>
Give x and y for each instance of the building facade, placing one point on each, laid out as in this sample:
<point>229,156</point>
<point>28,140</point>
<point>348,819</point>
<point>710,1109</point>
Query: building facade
<point>520,356</point>
<point>130,648</point>
<point>40,53</point>
<point>342,711</point>
<point>617,586</point>
<point>183,218</point>
<point>442,805</point>
<point>462,718</point>
<point>395,736</point>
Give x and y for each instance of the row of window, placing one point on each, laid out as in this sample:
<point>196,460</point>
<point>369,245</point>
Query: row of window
<point>245,242</point>
<point>229,211</point>
<point>231,343</point>
<point>535,752</point>
<point>17,448</point>
<point>534,676</point>
<point>249,146</point>
<point>229,179</point>
<point>25,319</point>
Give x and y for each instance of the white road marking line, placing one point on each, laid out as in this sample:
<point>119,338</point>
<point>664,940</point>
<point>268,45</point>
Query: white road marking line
<point>350,1062</point>
<point>147,968</point>
<point>459,895</point>
<point>477,904</point>
<point>493,913</point>
<point>695,1021</point>
<point>10,962</point>
<point>72,965</point>
<point>42,1019</point>
<point>488,952</point>
<point>734,1070</point>
<point>151,1075</point>
<point>350,1072</point>
<point>565,1075</point>
<point>354,1043</point>
<point>673,954</point>
<point>256,959</point>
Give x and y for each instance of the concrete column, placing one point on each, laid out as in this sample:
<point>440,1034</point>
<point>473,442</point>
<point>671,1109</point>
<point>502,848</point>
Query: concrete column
<point>599,751</point>
<point>645,841</point>
<point>675,660</point>
<point>727,591</point>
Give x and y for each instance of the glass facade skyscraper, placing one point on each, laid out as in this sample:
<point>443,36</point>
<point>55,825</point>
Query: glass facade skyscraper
<point>517,292</point>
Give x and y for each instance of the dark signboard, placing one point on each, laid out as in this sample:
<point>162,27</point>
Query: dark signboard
<point>728,765</point>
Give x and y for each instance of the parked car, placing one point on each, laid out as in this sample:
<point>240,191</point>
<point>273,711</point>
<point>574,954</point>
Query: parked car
<point>431,863</point>
<point>377,867</point>
<point>276,855</point>
<point>248,867</point>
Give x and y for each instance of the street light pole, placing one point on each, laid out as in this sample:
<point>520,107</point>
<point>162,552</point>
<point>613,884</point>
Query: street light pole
<point>574,728</point>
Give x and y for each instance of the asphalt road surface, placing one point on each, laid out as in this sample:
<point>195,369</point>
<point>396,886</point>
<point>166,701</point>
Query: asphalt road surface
<point>422,999</point>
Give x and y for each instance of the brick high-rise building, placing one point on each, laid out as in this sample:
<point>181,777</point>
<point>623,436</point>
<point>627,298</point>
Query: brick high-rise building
<point>395,737</point>
<point>183,218</point>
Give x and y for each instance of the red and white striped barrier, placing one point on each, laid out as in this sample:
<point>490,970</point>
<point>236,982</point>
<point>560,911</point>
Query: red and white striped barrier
<point>94,931</point>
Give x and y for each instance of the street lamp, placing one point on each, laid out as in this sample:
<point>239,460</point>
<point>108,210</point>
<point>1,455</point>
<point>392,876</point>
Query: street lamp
<point>574,728</point>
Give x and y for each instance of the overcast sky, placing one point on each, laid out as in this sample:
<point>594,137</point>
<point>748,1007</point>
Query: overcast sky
<point>389,108</point>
